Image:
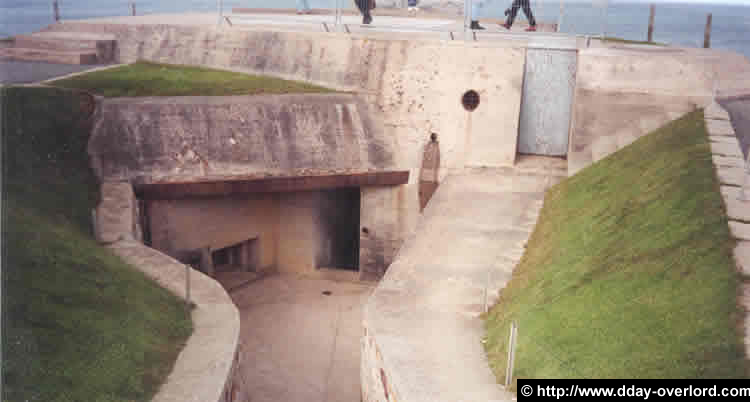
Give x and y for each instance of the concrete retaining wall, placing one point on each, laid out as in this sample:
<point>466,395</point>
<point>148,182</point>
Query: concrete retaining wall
<point>625,92</point>
<point>415,85</point>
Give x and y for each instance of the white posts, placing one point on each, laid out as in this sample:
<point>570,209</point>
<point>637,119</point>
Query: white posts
<point>220,6</point>
<point>511,353</point>
<point>560,16</point>
<point>745,193</point>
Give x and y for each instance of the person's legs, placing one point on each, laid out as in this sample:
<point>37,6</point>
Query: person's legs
<point>364,8</point>
<point>303,6</point>
<point>527,10</point>
<point>476,11</point>
<point>513,12</point>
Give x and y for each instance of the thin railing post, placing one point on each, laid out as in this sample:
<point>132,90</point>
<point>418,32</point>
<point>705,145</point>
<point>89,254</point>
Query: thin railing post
<point>745,193</point>
<point>56,10</point>
<point>651,23</point>
<point>187,285</point>
<point>560,16</point>
<point>511,353</point>
<point>707,34</point>
<point>132,9</point>
<point>220,6</point>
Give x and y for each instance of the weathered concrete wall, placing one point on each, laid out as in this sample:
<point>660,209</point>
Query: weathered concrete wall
<point>298,232</point>
<point>180,226</point>
<point>415,85</point>
<point>383,225</point>
<point>149,139</point>
<point>624,93</point>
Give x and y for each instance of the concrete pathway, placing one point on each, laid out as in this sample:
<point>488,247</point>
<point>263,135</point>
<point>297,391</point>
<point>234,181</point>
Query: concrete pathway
<point>299,345</point>
<point>423,331</point>
<point>431,22</point>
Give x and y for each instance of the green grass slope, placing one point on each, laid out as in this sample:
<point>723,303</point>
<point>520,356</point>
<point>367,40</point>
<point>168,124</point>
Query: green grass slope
<point>629,271</point>
<point>78,323</point>
<point>152,79</point>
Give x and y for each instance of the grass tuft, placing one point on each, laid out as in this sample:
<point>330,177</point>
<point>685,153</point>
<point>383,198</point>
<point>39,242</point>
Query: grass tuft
<point>78,323</point>
<point>153,79</point>
<point>629,271</point>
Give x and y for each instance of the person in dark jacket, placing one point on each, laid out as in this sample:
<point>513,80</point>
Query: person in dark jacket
<point>511,13</point>
<point>364,7</point>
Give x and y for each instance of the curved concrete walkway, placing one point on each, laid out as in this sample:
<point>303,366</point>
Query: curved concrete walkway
<point>422,331</point>
<point>299,345</point>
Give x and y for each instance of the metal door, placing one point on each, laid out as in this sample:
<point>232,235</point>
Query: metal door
<point>548,85</point>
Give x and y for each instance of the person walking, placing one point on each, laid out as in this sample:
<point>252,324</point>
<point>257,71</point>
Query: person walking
<point>513,11</point>
<point>364,7</point>
<point>303,7</point>
<point>478,5</point>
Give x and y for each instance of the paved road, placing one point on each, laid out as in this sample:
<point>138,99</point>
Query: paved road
<point>299,345</point>
<point>739,111</point>
<point>25,72</point>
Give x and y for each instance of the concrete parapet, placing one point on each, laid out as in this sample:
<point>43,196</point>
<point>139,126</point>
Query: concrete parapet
<point>423,317</point>
<point>734,176</point>
<point>204,370</point>
<point>183,138</point>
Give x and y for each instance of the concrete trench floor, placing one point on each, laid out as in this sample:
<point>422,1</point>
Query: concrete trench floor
<point>299,345</point>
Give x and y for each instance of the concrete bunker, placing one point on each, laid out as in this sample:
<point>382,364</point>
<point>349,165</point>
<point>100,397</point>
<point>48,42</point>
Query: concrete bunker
<point>286,224</point>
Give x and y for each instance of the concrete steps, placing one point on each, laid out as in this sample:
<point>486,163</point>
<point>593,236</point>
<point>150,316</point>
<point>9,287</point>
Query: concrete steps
<point>62,47</point>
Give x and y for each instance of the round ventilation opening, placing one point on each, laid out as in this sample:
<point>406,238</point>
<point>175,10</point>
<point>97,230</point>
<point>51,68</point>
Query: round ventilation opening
<point>470,100</point>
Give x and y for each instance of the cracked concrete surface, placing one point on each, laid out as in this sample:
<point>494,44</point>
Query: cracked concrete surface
<point>299,344</point>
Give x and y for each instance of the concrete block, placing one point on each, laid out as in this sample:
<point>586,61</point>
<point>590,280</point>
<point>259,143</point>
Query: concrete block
<point>115,214</point>
<point>718,148</point>
<point>731,176</point>
<point>603,146</point>
<point>737,209</point>
<point>719,127</point>
<point>730,161</point>
<point>724,139</point>
<point>188,137</point>
<point>740,230</point>
<point>651,70</point>
<point>742,256</point>
<point>715,112</point>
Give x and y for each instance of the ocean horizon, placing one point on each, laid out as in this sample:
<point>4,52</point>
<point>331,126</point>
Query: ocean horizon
<point>676,23</point>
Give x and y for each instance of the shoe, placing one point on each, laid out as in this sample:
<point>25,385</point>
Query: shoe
<point>475,25</point>
<point>506,26</point>
<point>531,28</point>
<point>366,20</point>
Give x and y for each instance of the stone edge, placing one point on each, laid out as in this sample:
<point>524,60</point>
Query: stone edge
<point>215,322</point>
<point>718,126</point>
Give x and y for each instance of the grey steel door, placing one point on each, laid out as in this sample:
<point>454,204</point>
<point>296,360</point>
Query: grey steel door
<point>548,86</point>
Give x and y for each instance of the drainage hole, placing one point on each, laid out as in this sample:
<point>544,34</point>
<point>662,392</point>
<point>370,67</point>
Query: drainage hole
<point>470,100</point>
<point>327,292</point>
